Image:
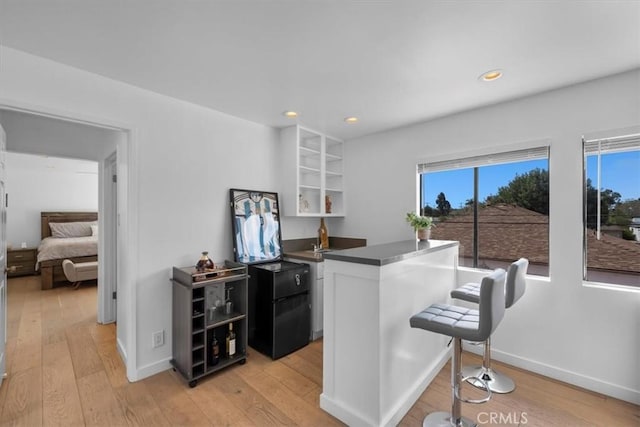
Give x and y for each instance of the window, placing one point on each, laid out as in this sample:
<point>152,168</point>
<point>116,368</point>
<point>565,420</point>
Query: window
<point>496,206</point>
<point>612,210</point>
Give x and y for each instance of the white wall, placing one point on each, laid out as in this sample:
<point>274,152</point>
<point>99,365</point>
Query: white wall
<point>585,335</point>
<point>187,159</point>
<point>39,183</point>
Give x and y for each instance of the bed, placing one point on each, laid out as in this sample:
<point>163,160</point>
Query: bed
<point>53,250</point>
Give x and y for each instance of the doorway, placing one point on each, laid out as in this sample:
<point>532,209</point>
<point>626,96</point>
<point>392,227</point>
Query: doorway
<point>112,146</point>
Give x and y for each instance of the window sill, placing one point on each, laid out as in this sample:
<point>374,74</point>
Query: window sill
<point>611,286</point>
<point>531,279</point>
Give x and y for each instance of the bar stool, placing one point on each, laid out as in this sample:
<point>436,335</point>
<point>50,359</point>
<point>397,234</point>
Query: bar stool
<point>514,289</point>
<point>463,323</point>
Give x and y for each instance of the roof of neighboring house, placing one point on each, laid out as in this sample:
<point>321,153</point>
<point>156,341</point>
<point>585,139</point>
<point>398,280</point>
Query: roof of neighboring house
<point>508,232</point>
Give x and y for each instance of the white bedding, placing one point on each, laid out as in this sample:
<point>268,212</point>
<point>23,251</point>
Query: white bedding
<point>69,247</point>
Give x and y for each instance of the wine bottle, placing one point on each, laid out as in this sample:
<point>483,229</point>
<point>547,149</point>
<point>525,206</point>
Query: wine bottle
<point>231,341</point>
<point>215,351</point>
<point>323,235</point>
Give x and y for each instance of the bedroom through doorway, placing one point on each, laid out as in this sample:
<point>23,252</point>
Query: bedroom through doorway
<point>57,139</point>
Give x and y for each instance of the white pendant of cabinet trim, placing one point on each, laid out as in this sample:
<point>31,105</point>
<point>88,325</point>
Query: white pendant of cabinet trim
<point>312,169</point>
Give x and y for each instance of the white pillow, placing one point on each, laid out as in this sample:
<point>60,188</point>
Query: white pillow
<point>94,230</point>
<point>71,229</point>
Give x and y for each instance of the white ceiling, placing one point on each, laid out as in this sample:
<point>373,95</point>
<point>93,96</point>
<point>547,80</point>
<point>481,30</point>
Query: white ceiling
<point>391,63</point>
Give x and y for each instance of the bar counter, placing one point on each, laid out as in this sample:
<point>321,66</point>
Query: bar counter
<point>375,366</point>
<point>390,252</point>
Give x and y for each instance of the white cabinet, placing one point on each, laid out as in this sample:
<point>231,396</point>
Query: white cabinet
<point>312,171</point>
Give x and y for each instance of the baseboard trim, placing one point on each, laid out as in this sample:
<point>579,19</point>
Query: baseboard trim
<point>153,368</point>
<point>560,374</point>
<point>343,413</point>
<point>122,351</point>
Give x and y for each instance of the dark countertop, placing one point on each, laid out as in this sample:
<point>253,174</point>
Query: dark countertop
<point>301,248</point>
<point>388,253</point>
<point>308,256</point>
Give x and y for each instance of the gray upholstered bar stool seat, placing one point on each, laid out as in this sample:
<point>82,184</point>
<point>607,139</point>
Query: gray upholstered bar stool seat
<point>514,289</point>
<point>468,324</point>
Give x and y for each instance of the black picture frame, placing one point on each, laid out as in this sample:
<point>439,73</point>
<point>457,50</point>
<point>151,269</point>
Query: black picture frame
<point>255,221</point>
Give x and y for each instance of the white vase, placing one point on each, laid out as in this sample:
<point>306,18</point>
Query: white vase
<point>423,234</point>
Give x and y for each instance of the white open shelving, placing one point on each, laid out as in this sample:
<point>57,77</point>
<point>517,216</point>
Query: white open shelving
<point>313,173</point>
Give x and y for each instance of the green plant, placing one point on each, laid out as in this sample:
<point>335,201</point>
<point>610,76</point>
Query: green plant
<point>628,234</point>
<point>419,222</point>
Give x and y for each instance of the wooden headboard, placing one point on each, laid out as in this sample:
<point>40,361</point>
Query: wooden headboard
<point>47,217</point>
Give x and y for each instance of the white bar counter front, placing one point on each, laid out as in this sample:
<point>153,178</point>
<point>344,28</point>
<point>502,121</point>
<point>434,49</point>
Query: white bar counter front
<point>375,366</point>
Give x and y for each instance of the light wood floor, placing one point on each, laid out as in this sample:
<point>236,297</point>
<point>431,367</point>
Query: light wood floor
<point>63,369</point>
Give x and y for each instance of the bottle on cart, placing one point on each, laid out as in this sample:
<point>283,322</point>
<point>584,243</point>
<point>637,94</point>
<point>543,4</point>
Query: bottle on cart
<point>231,341</point>
<point>204,263</point>
<point>228,303</point>
<point>215,351</point>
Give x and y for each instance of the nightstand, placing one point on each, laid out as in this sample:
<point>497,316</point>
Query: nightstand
<point>21,262</point>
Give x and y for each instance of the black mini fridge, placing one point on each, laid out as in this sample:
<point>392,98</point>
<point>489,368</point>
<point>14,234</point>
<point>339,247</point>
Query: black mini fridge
<point>279,312</point>
<point>279,308</point>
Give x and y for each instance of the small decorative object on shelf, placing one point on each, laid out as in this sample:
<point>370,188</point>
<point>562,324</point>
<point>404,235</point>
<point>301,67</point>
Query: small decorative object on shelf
<point>421,224</point>
<point>327,204</point>
<point>303,204</point>
<point>204,263</point>
<point>323,235</point>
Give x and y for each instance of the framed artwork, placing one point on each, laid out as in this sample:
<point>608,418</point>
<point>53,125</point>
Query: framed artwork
<point>255,217</point>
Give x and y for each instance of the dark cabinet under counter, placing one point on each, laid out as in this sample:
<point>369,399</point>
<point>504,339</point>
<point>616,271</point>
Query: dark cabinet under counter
<point>279,307</point>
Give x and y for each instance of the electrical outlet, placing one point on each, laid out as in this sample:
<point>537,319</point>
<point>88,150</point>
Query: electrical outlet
<point>157,339</point>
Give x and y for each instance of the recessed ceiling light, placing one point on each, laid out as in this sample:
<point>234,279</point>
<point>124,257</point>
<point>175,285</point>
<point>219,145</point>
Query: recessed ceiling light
<point>351,119</point>
<point>490,76</point>
<point>290,114</point>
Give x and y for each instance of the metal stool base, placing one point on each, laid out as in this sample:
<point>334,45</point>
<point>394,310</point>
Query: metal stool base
<point>497,382</point>
<point>443,419</point>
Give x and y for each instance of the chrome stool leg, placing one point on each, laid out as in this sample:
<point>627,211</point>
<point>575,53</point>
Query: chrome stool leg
<point>455,418</point>
<point>495,381</point>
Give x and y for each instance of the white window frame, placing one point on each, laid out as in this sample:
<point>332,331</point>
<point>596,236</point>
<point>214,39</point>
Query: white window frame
<point>531,150</point>
<point>620,141</point>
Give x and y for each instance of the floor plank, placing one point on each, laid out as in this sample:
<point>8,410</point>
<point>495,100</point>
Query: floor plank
<point>170,393</point>
<point>61,401</point>
<point>29,343</point>
<point>300,411</point>
<point>218,409</point>
<point>99,403</point>
<point>139,407</point>
<point>84,354</point>
<point>23,403</point>
<point>255,406</point>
